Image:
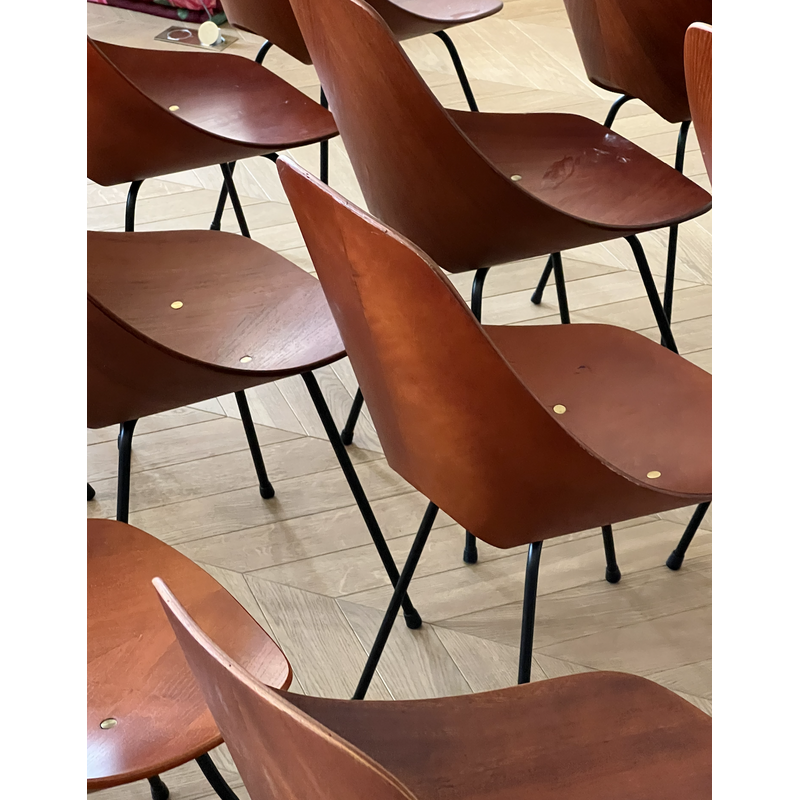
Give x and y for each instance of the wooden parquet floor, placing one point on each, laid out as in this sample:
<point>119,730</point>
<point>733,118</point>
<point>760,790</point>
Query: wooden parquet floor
<point>302,563</point>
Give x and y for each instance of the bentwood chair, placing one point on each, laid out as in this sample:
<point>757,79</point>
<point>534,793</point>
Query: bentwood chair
<point>520,434</point>
<point>697,52</point>
<point>635,48</point>
<point>155,112</point>
<point>145,712</point>
<point>599,735</point>
<point>474,190</point>
<point>178,317</point>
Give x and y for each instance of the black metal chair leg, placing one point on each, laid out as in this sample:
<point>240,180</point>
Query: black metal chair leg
<point>529,612</point>
<point>215,780</point>
<point>676,557</point>
<point>89,492</point>
<point>672,244</point>
<point>130,204</point>
<point>538,292</point>
<point>216,223</point>
<point>652,293</point>
<point>263,51</point>
<point>411,615</point>
<point>124,470</point>
<point>323,146</point>
<point>612,569</point>
<point>561,288</point>
<point>470,554</point>
<point>462,75</point>
<point>400,591</point>
<point>264,486</point>
<point>158,789</point>
<point>352,418</point>
<point>615,107</point>
<point>227,174</point>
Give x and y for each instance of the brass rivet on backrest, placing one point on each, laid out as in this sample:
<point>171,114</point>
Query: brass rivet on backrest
<point>174,108</point>
<point>245,359</point>
<point>654,474</point>
<point>176,304</point>
<point>559,409</point>
<point>516,177</point>
<point>108,723</point>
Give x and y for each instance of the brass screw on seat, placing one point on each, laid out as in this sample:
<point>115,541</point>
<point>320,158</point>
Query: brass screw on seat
<point>174,108</point>
<point>108,723</point>
<point>245,359</point>
<point>559,409</point>
<point>654,474</point>
<point>176,304</point>
<point>516,177</point>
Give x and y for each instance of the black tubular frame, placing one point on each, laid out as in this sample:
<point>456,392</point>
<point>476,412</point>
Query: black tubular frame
<point>676,557</point>
<point>124,443</point>
<point>265,488</point>
<point>615,107</point>
<point>612,568</point>
<point>90,493</point>
<point>215,780</point>
<point>352,418</point>
<point>400,591</point>
<point>130,205</point>
<point>529,612</point>
<point>462,75</point>
<point>158,789</point>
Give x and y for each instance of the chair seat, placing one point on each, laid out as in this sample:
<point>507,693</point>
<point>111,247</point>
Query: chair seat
<point>239,298</point>
<point>430,16</point>
<point>229,97</point>
<point>136,672</point>
<point>637,406</point>
<point>562,159</point>
<point>601,735</point>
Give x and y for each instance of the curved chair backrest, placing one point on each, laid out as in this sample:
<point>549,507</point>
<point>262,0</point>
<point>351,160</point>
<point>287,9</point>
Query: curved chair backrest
<point>279,751</point>
<point>453,417</point>
<point>636,47</point>
<point>697,53</point>
<point>417,170</point>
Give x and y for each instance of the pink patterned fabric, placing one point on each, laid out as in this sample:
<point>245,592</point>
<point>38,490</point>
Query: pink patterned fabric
<point>184,10</point>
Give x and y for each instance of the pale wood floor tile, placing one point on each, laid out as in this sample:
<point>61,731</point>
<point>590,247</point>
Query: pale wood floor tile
<point>415,664</point>
<point>210,515</point>
<point>307,537</point>
<point>320,644</point>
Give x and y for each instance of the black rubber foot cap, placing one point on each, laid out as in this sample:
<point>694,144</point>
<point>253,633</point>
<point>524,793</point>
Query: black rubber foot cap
<point>536,297</point>
<point>267,492</point>
<point>675,560</point>
<point>613,575</point>
<point>347,437</point>
<point>158,789</point>
<point>413,620</point>
<point>89,493</point>
<point>215,226</point>
<point>471,555</point>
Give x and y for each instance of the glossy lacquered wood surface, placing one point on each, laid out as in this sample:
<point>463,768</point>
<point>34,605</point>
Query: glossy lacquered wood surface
<point>239,300</point>
<point>476,190</point>
<point>476,426</point>
<point>136,672</point>
<point>697,53</point>
<point>275,20</point>
<point>635,47</point>
<point>154,112</point>
<point>601,735</point>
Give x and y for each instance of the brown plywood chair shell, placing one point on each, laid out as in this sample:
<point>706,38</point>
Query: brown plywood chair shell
<point>602,735</point>
<point>635,47</point>
<point>133,134</point>
<point>697,52</point>
<point>145,712</point>
<point>520,434</point>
